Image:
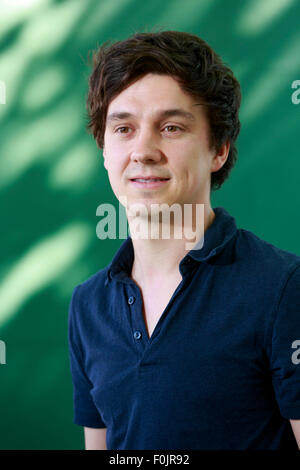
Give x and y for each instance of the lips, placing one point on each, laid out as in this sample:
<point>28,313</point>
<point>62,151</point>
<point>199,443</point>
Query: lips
<point>149,182</point>
<point>149,178</point>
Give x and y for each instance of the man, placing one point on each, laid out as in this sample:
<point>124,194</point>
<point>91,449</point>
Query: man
<point>173,348</point>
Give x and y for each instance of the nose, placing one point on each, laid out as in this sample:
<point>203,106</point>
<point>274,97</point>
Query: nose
<point>145,147</point>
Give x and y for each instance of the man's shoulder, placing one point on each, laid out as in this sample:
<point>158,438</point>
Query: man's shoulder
<point>265,255</point>
<point>93,285</point>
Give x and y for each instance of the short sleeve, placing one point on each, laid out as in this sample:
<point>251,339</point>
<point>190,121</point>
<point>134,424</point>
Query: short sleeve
<point>85,411</point>
<point>285,356</point>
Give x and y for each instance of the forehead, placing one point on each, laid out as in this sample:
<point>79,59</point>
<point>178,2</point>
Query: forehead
<point>151,92</point>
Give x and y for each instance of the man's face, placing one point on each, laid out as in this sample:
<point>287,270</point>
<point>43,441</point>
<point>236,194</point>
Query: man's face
<point>145,137</point>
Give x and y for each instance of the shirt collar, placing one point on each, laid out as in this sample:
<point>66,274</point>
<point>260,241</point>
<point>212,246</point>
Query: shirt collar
<point>216,238</point>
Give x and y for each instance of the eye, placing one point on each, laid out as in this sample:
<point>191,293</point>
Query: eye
<point>174,127</point>
<point>120,128</point>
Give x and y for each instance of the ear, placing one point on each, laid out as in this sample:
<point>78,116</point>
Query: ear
<point>220,157</point>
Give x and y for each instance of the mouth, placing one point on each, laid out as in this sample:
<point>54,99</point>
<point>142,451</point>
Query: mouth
<point>149,182</point>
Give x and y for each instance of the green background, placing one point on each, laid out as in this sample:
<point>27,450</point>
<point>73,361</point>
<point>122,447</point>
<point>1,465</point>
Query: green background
<point>52,177</point>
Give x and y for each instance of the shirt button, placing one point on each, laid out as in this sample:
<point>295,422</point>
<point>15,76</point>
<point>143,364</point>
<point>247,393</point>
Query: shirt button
<point>137,334</point>
<point>130,300</point>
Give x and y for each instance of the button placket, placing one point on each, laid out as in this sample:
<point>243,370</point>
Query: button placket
<point>138,335</point>
<point>131,300</point>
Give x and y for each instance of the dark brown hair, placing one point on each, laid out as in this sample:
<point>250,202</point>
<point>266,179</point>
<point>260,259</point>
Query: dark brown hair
<point>189,60</point>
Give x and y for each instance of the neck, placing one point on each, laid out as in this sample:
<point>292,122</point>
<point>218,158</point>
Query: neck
<point>158,258</point>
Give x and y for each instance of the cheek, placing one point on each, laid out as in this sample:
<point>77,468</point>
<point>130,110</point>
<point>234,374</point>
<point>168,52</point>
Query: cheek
<point>113,159</point>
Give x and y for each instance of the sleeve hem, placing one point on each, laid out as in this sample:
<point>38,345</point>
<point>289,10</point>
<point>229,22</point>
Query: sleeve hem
<point>290,411</point>
<point>83,419</point>
<point>89,424</point>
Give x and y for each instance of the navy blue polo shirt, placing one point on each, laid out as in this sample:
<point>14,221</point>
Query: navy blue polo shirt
<point>220,370</point>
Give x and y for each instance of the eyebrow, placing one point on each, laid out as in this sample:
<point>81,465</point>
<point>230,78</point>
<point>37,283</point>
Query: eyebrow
<point>162,114</point>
